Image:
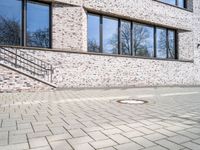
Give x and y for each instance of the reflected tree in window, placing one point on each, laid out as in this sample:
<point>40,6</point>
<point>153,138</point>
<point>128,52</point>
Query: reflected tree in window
<point>10,22</point>
<point>125,37</point>
<point>171,40</point>
<point>110,35</point>
<point>161,44</point>
<point>38,25</point>
<point>93,33</point>
<point>143,40</point>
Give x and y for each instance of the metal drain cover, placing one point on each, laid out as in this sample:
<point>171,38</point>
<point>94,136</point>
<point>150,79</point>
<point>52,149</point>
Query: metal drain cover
<point>132,101</point>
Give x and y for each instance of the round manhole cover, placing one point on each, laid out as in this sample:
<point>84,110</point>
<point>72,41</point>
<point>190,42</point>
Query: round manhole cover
<point>132,101</point>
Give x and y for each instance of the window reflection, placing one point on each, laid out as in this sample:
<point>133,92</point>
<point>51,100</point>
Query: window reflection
<point>37,24</point>
<point>126,37</point>
<point>110,35</point>
<point>161,43</point>
<point>171,49</point>
<point>172,2</point>
<point>179,3</point>
<point>93,33</point>
<point>143,40</point>
<point>10,22</point>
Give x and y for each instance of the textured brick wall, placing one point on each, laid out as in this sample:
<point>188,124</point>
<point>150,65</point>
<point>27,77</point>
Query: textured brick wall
<point>85,70</point>
<point>11,81</point>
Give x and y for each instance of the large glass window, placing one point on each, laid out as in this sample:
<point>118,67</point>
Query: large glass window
<point>171,44</point>
<point>110,35</point>
<point>179,3</point>
<point>143,40</point>
<point>37,24</point>
<point>172,2</point>
<point>117,36</point>
<point>93,33</point>
<point>10,22</point>
<point>161,43</point>
<point>125,35</point>
<point>182,3</point>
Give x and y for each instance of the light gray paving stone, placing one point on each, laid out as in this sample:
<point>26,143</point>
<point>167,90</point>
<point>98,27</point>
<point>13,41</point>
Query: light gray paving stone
<point>145,130</point>
<point>189,134</point>
<point>38,142</point>
<point>39,134</point>
<point>91,129</point>
<point>59,137</point>
<point>3,142</point>
<point>42,148</point>
<point>197,141</point>
<point>155,136</point>
<point>106,126</point>
<point>97,135</point>
<point>60,145</point>
<point>194,130</point>
<point>120,139</point>
<point>192,146</point>
<point>80,140</point>
<point>179,139</point>
<point>124,128</point>
<point>109,148</point>
<point>166,132</point>
<point>129,146</point>
<point>18,139</point>
<point>77,133</point>
<point>58,130</point>
<point>103,144</point>
<point>132,134</point>
<point>144,142</point>
<point>136,125</point>
<point>21,146</point>
<point>84,146</point>
<point>169,145</point>
<point>154,127</point>
<point>112,131</point>
<point>155,148</point>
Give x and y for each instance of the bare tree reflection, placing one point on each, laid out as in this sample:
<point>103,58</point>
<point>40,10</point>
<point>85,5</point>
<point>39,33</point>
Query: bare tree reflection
<point>39,38</point>
<point>10,33</point>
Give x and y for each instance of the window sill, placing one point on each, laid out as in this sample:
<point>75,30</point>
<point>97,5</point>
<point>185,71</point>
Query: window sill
<point>185,9</point>
<point>93,53</point>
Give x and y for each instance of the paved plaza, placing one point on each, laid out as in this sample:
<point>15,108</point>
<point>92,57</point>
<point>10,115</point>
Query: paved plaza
<point>92,119</point>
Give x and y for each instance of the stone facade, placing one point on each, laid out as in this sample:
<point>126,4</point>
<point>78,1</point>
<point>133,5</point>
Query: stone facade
<point>75,68</point>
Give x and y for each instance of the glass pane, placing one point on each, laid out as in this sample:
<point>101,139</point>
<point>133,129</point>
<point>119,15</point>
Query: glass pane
<point>110,35</point>
<point>38,24</point>
<point>93,33</point>
<point>172,2</point>
<point>10,22</point>
<point>171,51</point>
<point>143,40</point>
<point>161,41</point>
<point>126,37</point>
<point>181,3</point>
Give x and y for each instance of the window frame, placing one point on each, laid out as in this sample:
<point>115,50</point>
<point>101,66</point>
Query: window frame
<point>23,41</point>
<point>154,26</point>
<point>176,4</point>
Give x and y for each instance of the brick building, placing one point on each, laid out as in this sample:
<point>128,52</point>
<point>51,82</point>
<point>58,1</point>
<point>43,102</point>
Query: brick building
<point>98,43</point>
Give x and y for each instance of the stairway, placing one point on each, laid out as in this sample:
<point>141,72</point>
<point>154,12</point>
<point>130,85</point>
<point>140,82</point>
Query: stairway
<point>28,65</point>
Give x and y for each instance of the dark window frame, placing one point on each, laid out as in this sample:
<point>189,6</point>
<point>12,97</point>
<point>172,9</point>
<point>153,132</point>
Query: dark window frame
<point>176,4</point>
<point>132,22</point>
<point>23,41</point>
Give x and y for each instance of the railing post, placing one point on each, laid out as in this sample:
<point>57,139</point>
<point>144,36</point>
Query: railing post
<point>15,57</point>
<point>51,74</point>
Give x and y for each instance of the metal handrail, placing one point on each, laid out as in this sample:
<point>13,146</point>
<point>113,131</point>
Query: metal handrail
<point>26,62</point>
